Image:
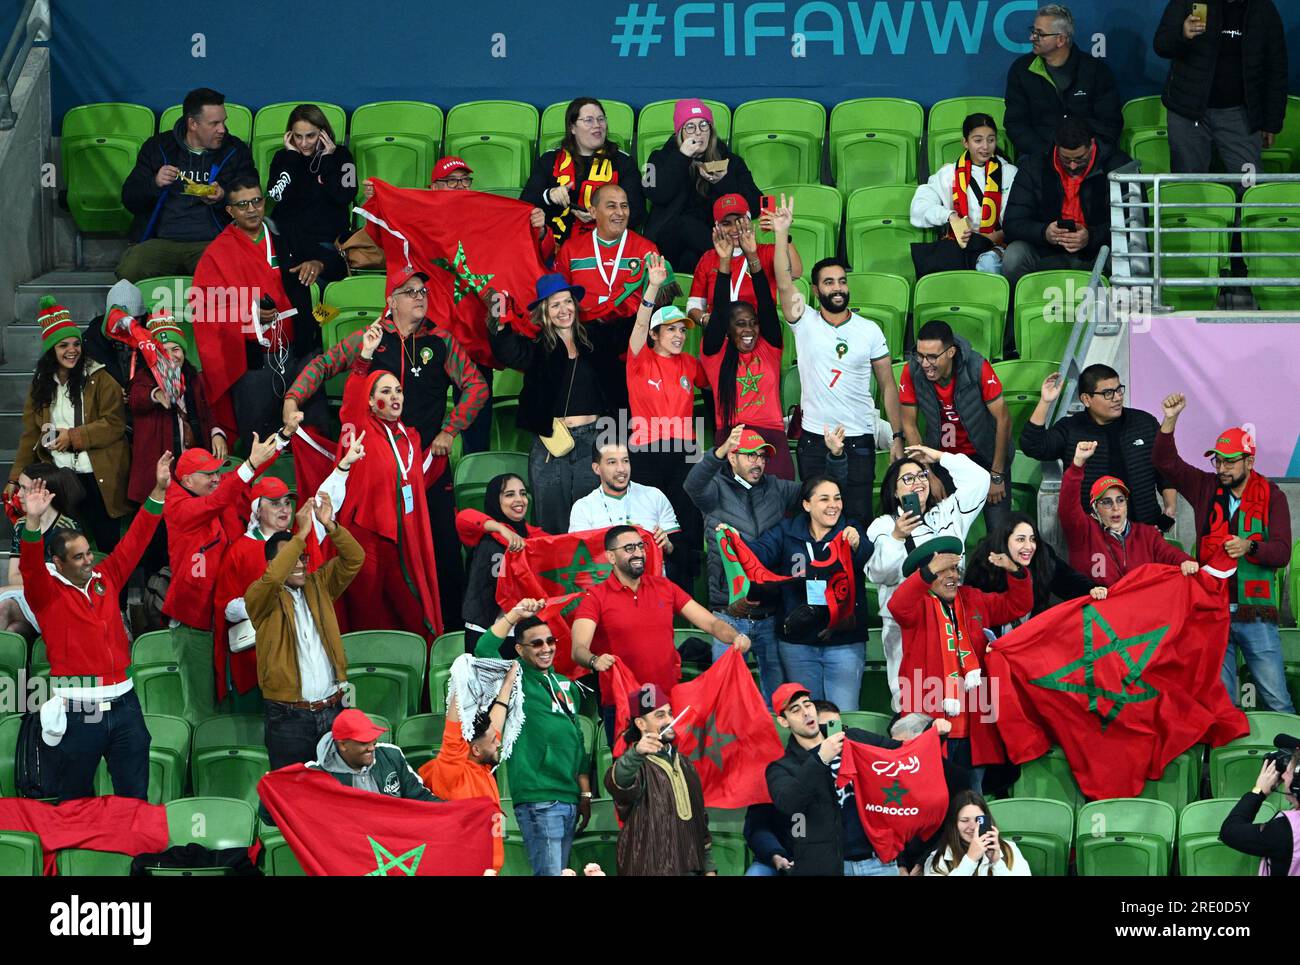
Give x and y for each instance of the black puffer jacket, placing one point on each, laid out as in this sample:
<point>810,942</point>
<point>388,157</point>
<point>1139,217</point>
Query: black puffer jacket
<point>1192,62</point>
<point>1035,107</point>
<point>672,190</point>
<point>1038,197</point>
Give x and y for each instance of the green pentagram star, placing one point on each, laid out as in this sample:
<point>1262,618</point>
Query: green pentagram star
<point>568,576</point>
<point>749,382</point>
<point>465,280</point>
<point>1092,654</point>
<point>894,793</point>
<point>385,861</point>
<point>709,741</point>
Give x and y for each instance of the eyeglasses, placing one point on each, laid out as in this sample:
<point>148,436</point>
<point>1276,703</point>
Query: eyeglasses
<point>1110,394</point>
<point>1039,35</point>
<point>413,292</point>
<point>538,644</point>
<point>930,359</point>
<point>1113,502</point>
<point>913,477</point>
<point>249,203</point>
<point>631,549</point>
<point>467,181</point>
<point>592,121</point>
<point>696,127</point>
<point>1225,461</point>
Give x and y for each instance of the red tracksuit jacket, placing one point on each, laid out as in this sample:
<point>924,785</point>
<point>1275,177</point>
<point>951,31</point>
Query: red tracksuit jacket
<point>83,628</point>
<point>199,528</point>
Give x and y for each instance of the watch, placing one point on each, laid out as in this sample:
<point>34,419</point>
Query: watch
<point>996,477</point>
<point>900,435</point>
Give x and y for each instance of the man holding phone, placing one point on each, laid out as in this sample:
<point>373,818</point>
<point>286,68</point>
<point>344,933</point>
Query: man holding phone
<point>1059,215</point>
<point>1227,85</point>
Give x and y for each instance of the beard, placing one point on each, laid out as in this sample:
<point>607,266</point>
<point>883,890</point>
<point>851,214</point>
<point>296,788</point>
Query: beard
<point>834,302</point>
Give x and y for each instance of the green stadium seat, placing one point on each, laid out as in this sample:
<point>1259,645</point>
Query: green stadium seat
<point>1043,830</point>
<point>1125,837</point>
<point>819,212</point>
<point>730,853</point>
<point>497,139</point>
<point>13,655</point>
<point>871,721</point>
<point>229,756</point>
<point>974,303</point>
<point>386,668</point>
<point>1046,307</point>
<point>879,231</point>
<point>84,863</point>
<point>874,140</point>
<point>655,125</point>
<point>21,855</point>
<point>780,139</point>
<point>420,736</point>
<point>1210,238</point>
<point>1201,853</point>
<point>885,299</point>
<point>153,647</point>
<point>620,117</point>
<point>98,146</point>
<point>1150,148</point>
<point>277,859</point>
<point>1022,383</point>
<point>158,686</point>
<point>507,384</point>
<point>600,847</point>
<point>270,123</point>
<point>1175,785</point>
<point>475,470</point>
<point>438,678</point>
<point>1284,155</point>
<point>1267,724</point>
<point>169,760</point>
<point>1049,777</point>
<point>943,131</point>
<point>239,120</point>
<point>215,823</point>
<point>1265,252</point>
<point>447,648</point>
<point>357,291</point>
<point>9,726</point>
<point>395,141</point>
<point>1142,114</point>
<point>516,858</point>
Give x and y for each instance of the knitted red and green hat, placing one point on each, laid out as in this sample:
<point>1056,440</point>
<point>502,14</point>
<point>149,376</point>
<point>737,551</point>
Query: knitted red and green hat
<point>162,326</point>
<point>56,323</point>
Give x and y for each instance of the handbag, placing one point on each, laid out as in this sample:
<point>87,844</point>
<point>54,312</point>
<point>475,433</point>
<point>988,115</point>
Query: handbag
<point>361,252</point>
<point>241,636</point>
<point>560,441</point>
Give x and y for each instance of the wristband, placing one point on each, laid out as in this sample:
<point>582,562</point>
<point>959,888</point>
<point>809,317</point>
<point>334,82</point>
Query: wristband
<point>501,703</point>
<point>900,435</point>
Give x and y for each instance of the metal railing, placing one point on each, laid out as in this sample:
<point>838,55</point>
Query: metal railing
<point>33,27</point>
<point>1139,232</point>
<point>1093,318</point>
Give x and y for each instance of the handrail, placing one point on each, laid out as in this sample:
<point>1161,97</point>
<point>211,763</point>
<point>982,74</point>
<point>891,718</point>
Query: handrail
<point>1087,325</point>
<point>33,25</point>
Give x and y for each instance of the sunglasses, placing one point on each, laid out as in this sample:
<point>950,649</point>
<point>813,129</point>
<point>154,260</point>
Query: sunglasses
<point>538,644</point>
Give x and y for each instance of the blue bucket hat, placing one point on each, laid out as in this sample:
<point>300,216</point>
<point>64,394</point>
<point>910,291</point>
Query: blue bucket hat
<point>553,284</point>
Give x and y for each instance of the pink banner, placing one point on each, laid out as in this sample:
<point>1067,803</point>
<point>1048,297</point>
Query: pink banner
<point>1233,374</point>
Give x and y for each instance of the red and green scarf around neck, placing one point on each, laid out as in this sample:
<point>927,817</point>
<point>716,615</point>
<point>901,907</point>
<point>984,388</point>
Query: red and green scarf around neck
<point>1255,586</point>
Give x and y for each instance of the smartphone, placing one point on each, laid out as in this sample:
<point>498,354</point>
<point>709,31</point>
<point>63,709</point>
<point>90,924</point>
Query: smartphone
<point>1201,11</point>
<point>767,204</point>
<point>1066,224</point>
<point>911,503</point>
<point>981,825</point>
<point>834,726</point>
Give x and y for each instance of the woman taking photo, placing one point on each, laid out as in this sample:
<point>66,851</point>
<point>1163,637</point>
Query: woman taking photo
<point>566,371</point>
<point>563,180</point>
<point>74,417</point>
<point>895,533</point>
<point>684,177</point>
<point>969,844</point>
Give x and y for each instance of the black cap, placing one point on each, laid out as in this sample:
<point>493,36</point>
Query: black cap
<point>1285,742</point>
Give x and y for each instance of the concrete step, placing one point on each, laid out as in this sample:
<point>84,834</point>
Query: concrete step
<point>80,292</point>
<point>22,347</point>
<point>97,253</point>
<point>11,430</point>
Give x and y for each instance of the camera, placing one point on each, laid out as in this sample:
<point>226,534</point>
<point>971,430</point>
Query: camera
<point>1281,759</point>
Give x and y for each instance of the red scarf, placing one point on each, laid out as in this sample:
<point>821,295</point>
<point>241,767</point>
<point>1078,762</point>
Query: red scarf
<point>565,173</point>
<point>1071,207</point>
<point>991,209</point>
<point>958,656</point>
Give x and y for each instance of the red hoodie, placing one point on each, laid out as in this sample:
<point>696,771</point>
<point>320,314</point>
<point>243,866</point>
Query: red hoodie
<point>199,528</point>
<point>83,628</point>
<point>1096,553</point>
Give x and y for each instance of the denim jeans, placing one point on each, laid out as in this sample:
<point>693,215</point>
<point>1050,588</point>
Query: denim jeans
<point>547,829</point>
<point>762,634</point>
<point>990,261</point>
<point>117,735</point>
<point>870,867</point>
<point>292,733</point>
<point>830,673</point>
<point>760,870</point>
<point>1262,646</point>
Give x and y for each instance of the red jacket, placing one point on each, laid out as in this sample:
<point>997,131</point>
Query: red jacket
<point>1096,553</point>
<point>154,428</point>
<point>198,531</point>
<point>83,628</point>
<point>921,671</point>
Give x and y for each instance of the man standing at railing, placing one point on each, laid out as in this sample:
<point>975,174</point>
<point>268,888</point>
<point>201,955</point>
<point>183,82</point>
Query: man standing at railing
<point>1227,82</point>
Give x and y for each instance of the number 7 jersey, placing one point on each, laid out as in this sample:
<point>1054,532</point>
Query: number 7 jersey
<point>835,371</point>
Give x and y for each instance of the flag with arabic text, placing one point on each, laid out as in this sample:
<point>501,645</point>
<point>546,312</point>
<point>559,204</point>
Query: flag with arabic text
<point>901,793</point>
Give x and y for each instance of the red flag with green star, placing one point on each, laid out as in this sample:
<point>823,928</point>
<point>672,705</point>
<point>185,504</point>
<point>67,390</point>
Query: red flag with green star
<point>337,830</point>
<point>465,241</point>
<point>1124,685</point>
<point>901,793</point>
<point>559,569</point>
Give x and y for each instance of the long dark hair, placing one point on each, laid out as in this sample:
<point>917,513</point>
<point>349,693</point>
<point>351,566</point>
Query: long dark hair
<point>492,502</point>
<point>950,839</point>
<point>45,381</point>
<point>889,483</point>
<point>63,484</point>
<point>570,143</point>
<point>983,575</point>
<point>730,365</point>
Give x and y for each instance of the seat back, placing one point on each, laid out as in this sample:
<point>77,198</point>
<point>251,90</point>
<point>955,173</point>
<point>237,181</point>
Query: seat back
<point>158,687</point>
<point>99,146</point>
<point>278,859</point>
<point>887,126</point>
<point>871,721</point>
<point>943,128</point>
<point>1042,829</point>
<point>420,736</point>
<point>1048,777</point>
<point>885,299</point>
<point>21,854</point>
<point>84,863</point>
<point>213,822</point>
<point>396,141</point>
<point>230,756</point>
<point>1150,148</point>
<point>447,648</point>
<point>403,654</point>
<point>974,303</point>
<point>9,726</point>
<point>1125,836</point>
<point>1022,381</point>
<point>1046,309</point>
<point>780,139</point>
<point>475,470</point>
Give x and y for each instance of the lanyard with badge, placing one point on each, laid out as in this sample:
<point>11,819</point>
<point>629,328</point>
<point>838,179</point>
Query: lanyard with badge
<point>816,588</point>
<point>408,494</point>
<point>600,265</point>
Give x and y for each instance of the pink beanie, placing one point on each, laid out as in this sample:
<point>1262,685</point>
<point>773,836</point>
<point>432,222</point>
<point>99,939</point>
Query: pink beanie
<point>690,109</point>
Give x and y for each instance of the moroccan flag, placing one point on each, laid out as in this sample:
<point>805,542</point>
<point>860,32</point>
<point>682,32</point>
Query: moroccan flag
<point>337,830</point>
<point>131,332</point>
<point>740,567</point>
<point>727,732</point>
<point>560,569</point>
<point>121,824</point>
<point>466,241</point>
<point>1124,685</point>
<point>901,793</point>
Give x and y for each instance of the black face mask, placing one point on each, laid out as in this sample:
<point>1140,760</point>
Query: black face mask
<point>834,302</point>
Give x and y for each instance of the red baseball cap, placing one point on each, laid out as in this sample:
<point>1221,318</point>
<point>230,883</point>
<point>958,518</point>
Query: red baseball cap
<point>353,725</point>
<point>785,695</point>
<point>197,460</point>
<point>729,204</point>
<point>1104,483</point>
<point>270,487</point>
<point>446,165</point>
<point>1233,442</point>
<point>405,274</point>
<point>751,441</point>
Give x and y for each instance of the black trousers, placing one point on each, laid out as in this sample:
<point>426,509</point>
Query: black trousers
<point>666,471</point>
<point>102,528</point>
<point>857,491</point>
<point>292,733</point>
<point>446,549</point>
<point>117,735</point>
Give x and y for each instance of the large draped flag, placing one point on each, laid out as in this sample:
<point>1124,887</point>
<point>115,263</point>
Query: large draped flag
<point>337,830</point>
<point>466,242</point>
<point>559,569</point>
<point>901,793</point>
<point>1124,685</point>
<point>121,824</point>
<point>726,732</point>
